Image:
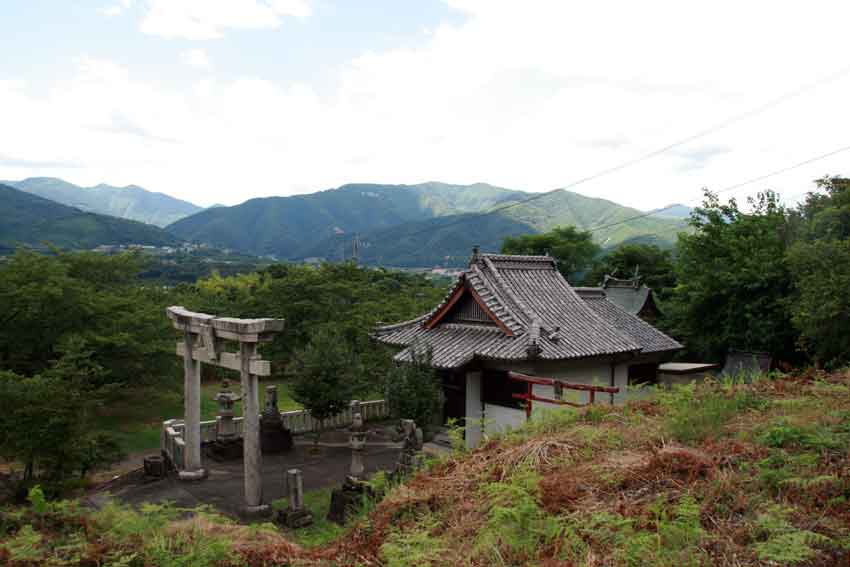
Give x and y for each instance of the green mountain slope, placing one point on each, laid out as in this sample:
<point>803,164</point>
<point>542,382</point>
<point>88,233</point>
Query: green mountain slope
<point>291,227</point>
<point>27,219</point>
<point>444,240</point>
<point>397,224</point>
<point>131,202</point>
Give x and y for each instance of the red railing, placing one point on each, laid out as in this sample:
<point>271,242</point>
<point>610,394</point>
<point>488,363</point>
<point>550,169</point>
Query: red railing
<point>529,396</point>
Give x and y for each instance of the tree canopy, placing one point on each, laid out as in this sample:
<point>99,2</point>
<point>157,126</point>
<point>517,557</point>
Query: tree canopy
<point>573,249</point>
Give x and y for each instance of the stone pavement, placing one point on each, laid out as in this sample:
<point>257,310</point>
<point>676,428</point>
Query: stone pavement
<point>223,488</point>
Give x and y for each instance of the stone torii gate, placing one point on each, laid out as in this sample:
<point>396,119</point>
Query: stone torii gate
<point>203,337</point>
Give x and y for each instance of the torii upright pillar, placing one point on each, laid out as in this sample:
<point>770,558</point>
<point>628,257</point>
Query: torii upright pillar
<point>202,335</point>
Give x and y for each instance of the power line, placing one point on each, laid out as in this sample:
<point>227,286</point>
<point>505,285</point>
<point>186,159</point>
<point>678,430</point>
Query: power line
<point>679,228</point>
<point>725,189</point>
<point>702,133</point>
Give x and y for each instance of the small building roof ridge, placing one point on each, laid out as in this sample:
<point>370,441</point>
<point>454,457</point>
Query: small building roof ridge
<point>526,312</point>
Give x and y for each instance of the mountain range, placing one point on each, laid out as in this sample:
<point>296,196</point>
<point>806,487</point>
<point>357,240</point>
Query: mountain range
<point>27,219</point>
<point>394,225</point>
<point>413,225</point>
<point>131,202</point>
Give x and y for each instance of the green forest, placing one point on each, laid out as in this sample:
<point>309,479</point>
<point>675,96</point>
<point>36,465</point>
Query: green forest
<point>84,336</point>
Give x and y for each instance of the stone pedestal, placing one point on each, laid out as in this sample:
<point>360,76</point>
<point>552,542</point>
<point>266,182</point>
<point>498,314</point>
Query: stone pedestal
<point>275,438</point>
<point>348,499</point>
<point>227,445</point>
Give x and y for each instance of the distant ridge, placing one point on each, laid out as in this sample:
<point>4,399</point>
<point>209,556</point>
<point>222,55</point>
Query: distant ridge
<point>674,211</point>
<point>131,202</point>
<point>27,219</point>
<point>409,225</point>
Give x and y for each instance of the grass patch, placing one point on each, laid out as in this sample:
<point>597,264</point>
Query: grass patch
<point>322,530</point>
<point>135,417</point>
<point>696,414</point>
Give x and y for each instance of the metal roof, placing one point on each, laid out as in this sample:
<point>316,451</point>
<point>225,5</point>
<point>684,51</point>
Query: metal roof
<point>539,316</point>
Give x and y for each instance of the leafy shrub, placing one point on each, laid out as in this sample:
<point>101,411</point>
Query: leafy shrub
<point>781,541</point>
<point>696,415</point>
<point>414,545</point>
<point>516,522</point>
<point>814,438</point>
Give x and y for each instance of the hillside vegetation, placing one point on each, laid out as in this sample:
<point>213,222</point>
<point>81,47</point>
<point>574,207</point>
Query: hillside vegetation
<point>717,474</point>
<point>408,225</point>
<point>31,220</point>
<point>131,202</point>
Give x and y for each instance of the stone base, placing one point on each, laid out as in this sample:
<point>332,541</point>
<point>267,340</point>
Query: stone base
<point>255,512</point>
<point>199,474</point>
<point>274,437</point>
<point>224,450</point>
<point>347,500</point>
<point>295,519</point>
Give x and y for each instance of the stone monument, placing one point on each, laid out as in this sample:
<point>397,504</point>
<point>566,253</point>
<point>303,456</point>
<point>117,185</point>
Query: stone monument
<point>357,441</point>
<point>275,438</point>
<point>228,443</point>
<point>295,515</point>
<point>410,458</point>
<point>354,489</point>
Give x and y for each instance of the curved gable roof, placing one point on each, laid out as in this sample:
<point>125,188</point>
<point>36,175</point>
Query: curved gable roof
<point>540,315</point>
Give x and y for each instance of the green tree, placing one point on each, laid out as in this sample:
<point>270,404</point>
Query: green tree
<point>654,265</point>
<point>733,282</point>
<point>573,249</point>
<point>46,424</point>
<point>820,265</point>
<point>413,390</point>
<point>325,376</point>
<point>48,301</point>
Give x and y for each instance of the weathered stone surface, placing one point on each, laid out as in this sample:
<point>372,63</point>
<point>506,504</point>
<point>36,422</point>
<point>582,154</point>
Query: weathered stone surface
<point>275,438</point>
<point>295,516</point>
<point>348,499</point>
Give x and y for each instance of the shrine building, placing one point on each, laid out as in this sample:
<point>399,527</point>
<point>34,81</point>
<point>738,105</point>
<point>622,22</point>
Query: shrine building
<point>517,314</point>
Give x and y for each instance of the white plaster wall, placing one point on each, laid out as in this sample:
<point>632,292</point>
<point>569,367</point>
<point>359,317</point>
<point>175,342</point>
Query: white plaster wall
<point>499,419</point>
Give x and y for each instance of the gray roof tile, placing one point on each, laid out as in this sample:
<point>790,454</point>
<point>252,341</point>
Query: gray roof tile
<point>545,316</point>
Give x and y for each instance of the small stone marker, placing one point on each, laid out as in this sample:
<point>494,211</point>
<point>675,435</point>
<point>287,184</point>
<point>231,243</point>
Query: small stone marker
<point>296,516</point>
<point>357,441</point>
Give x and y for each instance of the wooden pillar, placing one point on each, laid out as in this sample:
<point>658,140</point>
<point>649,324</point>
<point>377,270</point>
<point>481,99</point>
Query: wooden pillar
<point>474,411</point>
<point>193,469</point>
<point>252,455</point>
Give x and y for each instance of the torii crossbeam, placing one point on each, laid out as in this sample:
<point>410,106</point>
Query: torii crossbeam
<point>202,343</point>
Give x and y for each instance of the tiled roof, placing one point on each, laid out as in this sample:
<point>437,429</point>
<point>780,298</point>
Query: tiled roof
<point>542,317</point>
<point>628,294</point>
<point>648,337</point>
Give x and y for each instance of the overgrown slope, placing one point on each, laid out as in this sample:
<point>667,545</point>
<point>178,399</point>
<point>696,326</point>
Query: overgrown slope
<point>719,475</point>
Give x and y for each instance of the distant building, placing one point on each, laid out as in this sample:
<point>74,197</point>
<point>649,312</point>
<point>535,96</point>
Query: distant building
<point>631,296</point>
<point>518,313</point>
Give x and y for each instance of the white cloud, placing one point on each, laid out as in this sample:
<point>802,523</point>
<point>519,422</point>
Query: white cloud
<point>531,96</point>
<point>208,19</point>
<point>196,58</point>
<point>116,9</point>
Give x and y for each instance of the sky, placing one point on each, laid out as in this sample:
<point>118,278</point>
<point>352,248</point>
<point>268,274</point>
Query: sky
<point>219,101</point>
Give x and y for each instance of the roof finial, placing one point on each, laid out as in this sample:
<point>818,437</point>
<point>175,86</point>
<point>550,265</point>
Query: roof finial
<point>476,254</point>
